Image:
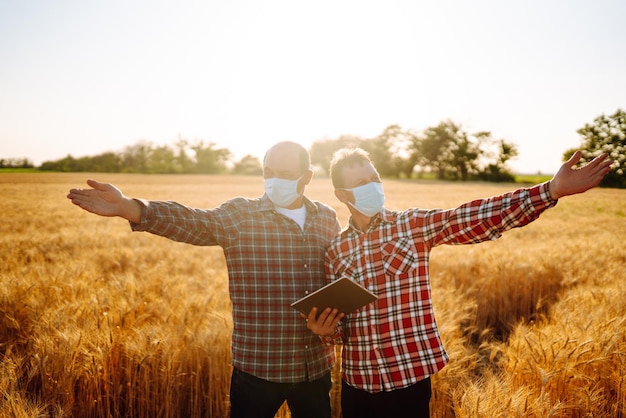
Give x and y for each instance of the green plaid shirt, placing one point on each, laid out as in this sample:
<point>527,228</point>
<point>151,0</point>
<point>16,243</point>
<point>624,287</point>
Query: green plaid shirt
<point>271,263</point>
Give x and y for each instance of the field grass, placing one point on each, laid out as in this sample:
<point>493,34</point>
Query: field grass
<point>96,321</point>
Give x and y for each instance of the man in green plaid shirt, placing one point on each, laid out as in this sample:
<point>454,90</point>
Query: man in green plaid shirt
<point>274,247</point>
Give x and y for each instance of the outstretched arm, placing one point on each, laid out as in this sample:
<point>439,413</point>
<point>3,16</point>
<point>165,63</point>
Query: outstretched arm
<point>106,200</point>
<point>568,180</point>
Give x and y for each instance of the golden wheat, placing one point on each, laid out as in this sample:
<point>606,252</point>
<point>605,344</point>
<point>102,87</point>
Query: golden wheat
<point>96,321</point>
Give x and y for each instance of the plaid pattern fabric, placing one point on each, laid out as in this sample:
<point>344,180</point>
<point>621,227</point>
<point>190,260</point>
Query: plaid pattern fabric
<point>394,342</point>
<point>271,263</point>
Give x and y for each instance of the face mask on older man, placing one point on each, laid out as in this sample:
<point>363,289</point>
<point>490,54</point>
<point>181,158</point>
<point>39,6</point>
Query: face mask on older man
<point>282,192</point>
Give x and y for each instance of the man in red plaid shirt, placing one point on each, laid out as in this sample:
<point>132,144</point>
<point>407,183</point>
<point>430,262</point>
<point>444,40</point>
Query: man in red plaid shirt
<point>274,248</point>
<point>392,346</point>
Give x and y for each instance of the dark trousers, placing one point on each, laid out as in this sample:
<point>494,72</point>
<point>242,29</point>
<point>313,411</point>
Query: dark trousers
<point>251,397</point>
<point>412,401</point>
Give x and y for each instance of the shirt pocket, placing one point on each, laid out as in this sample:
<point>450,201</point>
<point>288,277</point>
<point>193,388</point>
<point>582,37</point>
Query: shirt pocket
<point>398,257</point>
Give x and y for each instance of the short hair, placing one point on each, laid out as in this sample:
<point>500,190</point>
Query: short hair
<point>303,154</point>
<point>344,158</point>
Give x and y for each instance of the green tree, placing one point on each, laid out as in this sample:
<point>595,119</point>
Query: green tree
<point>322,150</point>
<point>136,158</point>
<point>464,153</point>
<point>249,165</point>
<point>162,160</point>
<point>435,148</point>
<point>67,164</point>
<point>108,162</point>
<point>496,154</point>
<point>16,163</point>
<point>607,134</point>
<point>454,154</point>
<point>379,149</point>
<point>390,151</point>
<point>209,158</point>
<point>184,162</point>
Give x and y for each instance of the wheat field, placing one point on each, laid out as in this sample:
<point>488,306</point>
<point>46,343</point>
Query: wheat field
<point>97,321</point>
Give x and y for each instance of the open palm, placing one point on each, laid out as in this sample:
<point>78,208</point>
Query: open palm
<point>102,199</point>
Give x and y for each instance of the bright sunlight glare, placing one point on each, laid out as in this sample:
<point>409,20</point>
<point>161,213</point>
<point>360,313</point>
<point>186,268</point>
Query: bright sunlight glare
<point>83,78</point>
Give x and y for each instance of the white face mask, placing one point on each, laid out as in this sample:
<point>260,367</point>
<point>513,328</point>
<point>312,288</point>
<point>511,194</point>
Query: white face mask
<point>282,192</point>
<point>368,199</point>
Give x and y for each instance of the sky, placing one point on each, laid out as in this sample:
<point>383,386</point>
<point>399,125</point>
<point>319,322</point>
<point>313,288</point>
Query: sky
<point>85,77</point>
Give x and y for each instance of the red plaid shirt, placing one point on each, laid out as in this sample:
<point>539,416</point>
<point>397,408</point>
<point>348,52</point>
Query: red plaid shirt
<point>271,263</point>
<point>394,342</point>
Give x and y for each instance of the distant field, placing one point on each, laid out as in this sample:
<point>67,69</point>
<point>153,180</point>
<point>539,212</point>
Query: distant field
<point>531,178</point>
<point>19,170</point>
<point>97,321</point>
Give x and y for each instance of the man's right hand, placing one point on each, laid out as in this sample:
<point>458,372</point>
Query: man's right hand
<point>106,200</point>
<point>326,323</point>
<point>569,180</point>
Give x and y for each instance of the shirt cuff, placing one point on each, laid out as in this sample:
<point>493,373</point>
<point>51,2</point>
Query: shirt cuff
<point>334,339</point>
<point>544,193</point>
<point>140,226</point>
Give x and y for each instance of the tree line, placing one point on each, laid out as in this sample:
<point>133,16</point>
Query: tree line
<point>146,158</point>
<point>16,163</point>
<point>446,151</point>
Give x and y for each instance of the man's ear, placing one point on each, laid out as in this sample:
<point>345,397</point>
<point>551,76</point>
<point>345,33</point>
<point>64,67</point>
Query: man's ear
<point>341,195</point>
<point>308,176</point>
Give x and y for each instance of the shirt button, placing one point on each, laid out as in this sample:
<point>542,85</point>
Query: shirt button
<point>306,266</point>
<point>306,292</point>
